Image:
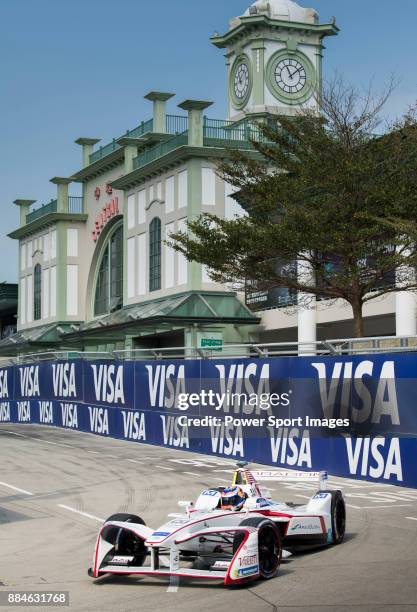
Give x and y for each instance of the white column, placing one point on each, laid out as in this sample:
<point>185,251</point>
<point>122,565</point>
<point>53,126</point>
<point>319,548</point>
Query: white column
<point>405,305</point>
<point>307,325</point>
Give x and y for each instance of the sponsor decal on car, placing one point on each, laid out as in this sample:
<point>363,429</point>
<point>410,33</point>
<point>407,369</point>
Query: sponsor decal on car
<point>320,496</point>
<point>309,525</point>
<point>122,560</point>
<point>247,571</point>
<point>249,560</point>
<point>161,534</point>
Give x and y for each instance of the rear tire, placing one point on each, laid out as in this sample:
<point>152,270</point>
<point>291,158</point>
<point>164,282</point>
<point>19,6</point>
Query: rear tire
<point>269,545</point>
<point>127,543</point>
<point>338,514</point>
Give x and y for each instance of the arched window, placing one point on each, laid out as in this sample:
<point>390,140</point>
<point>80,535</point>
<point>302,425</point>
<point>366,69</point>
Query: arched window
<point>109,286</point>
<point>155,254</point>
<point>37,292</point>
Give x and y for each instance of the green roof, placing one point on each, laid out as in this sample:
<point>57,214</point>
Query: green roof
<point>201,307</point>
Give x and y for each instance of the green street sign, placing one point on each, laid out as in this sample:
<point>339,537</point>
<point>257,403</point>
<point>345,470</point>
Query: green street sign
<point>211,343</point>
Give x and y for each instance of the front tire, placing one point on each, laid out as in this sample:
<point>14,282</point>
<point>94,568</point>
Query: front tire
<point>269,545</point>
<point>127,543</point>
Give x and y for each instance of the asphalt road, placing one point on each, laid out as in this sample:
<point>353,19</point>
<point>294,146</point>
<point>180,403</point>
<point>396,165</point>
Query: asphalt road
<point>56,486</point>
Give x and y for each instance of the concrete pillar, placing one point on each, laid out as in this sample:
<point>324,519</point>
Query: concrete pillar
<point>307,320</point>
<point>62,193</point>
<point>159,99</point>
<point>87,145</point>
<point>24,206</point>
<point>405,304</point>
<point>130,150</point>
<point>195,110</point>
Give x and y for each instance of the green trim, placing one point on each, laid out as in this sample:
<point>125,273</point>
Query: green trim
<point>99,167</point>
<point>240,103</point>
<point>248,23</point>
<point>291,98</point>
<point>258,52</point>
<point>194,185</point>
<point>61,271</point>
<point>170,160</point>
<point>115,158</point>
<point>44,222</point>
<point>119,222</point>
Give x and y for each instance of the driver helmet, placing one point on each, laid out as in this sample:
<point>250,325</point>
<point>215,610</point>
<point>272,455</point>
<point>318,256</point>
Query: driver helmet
<point>232,498</point>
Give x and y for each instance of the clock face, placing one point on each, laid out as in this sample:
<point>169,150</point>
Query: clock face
<point>241,81</point>
<point>290,76</point>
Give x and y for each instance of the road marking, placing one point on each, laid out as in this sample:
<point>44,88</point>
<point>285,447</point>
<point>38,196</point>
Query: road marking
<point>111,456</point>
<point>221,480</point>
<point>14,433</point>
<point>411,518</point>
<point>133,461</point>
<point>162,467</point>
<point>174,583</point>
<point>225,471</point>
<point>391,506</point>
<point>4,484</point>
<point>90,516</point>
<point>45,441</point>
<point>192,473</point>
<point>93,452</point>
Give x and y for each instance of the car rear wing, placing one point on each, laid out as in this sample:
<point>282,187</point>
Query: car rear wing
<point>291,476</point>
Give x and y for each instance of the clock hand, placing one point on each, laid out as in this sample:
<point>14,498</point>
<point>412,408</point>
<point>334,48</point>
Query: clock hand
<point>291,74</point>
<point>298,70</point>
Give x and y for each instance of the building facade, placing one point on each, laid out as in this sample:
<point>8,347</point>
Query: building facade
<point>95,273</point>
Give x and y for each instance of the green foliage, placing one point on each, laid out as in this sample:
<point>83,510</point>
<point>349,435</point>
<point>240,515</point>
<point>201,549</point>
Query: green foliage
<point>322,188</point>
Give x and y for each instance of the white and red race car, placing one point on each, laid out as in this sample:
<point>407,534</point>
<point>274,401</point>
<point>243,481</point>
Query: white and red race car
<point>212,541</point>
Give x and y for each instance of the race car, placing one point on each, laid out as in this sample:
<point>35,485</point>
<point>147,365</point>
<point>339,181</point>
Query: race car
<point>233,534</point>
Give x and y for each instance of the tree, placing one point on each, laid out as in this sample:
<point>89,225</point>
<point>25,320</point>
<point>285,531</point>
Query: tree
<point>324,191</point>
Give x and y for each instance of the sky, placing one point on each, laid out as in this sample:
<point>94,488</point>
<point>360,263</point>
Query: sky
<point>74,68</point>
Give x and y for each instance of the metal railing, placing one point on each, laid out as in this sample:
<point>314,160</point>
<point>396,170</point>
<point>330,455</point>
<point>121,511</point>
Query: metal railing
<point>140,130</point>
<point>229,131</point>
<point>344,346</point>
<point>42,211</point>
<point>75,206</point>
<point>176,124</point>
<point>160,150</point>
<point>103,151</point>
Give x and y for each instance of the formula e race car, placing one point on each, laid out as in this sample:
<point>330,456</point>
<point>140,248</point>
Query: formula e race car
<point>233,534</point>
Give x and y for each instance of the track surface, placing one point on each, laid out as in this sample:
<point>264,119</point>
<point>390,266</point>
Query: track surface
<point>65,482</point>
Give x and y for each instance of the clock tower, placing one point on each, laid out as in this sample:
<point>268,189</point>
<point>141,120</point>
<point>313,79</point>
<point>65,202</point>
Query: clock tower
<point>274,58</point>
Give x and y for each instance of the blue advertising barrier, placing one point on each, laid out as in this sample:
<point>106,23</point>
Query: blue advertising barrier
<point>355,416</point>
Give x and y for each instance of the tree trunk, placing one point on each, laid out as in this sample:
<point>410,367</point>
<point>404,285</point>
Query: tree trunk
<point>357,318</point>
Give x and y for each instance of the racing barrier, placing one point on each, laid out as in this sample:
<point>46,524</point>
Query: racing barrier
<point>355,416</point>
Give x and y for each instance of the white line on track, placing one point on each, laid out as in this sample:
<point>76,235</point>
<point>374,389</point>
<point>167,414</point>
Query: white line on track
<point>162,467</point>
<point>221,480</point>
<point>4,484</point>
<point>225,471</point>
<point>192,473</point>
<point>411,518</point>
<point>14,433</point>
<point>45,441</point>
<point>348,505</point>
<point>174,584</point>
<point>90,516</point>
<point>133,461</point>
<point>93,452</point>
<point>390,506</point>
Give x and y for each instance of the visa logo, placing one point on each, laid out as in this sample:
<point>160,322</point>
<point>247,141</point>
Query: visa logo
<point>365,404</point>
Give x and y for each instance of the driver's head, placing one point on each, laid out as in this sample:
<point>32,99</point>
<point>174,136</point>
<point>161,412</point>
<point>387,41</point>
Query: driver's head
<point>232,498</point>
